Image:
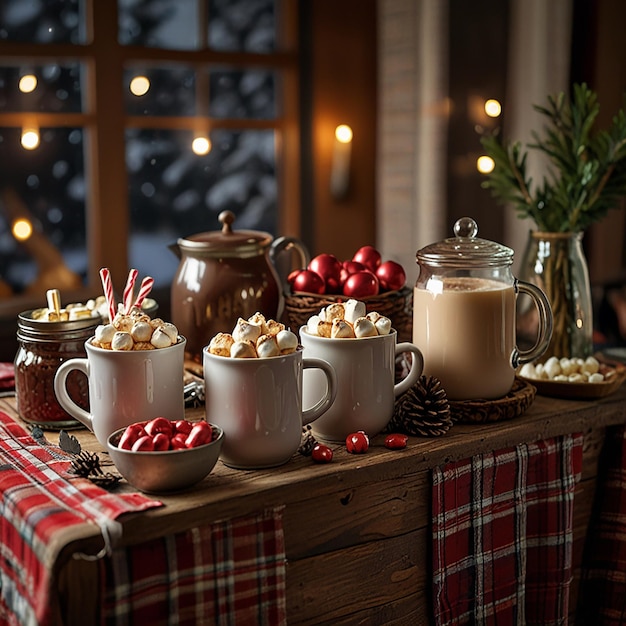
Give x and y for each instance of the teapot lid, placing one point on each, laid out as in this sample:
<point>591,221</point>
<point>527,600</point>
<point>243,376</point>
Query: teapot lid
<point>465,249</point>
<point>239,243</point>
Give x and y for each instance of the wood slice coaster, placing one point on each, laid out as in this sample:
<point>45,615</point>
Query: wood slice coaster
<point>508,407</point>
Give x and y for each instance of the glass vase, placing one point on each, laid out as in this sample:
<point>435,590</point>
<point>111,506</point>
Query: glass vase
<point>556,263</point>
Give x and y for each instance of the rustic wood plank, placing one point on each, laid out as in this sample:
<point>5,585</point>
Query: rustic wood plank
<point>322,587</point>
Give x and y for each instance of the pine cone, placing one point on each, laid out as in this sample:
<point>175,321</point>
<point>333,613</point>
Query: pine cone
<point>423,410</point>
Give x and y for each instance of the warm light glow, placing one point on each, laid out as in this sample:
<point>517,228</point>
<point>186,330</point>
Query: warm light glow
<point>28,83</point>
<point>201,145</point>
<point>493,108</point>
<point>485,164</point>
<point>30,138</point>
<point>22,229</point>
<point>139,85</point>
<point>343,133</point>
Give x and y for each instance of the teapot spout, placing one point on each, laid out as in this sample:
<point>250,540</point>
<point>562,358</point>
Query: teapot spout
<point>175,248</point>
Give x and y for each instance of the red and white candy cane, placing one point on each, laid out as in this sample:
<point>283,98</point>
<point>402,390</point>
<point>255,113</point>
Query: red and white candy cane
<point>128,291</point>
<point>144,290</point>
<point>107,287</point>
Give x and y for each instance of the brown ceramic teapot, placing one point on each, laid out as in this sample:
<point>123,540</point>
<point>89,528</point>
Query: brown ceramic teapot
<point>224,275</point>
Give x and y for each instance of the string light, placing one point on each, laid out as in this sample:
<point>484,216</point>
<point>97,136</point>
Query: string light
<point>139,85</point>
<point>485,164</point>
<point>30,138</point>
<point>28,83</point>
<point>493,108</point>
<point>22,229</point>
<point>201,145</point>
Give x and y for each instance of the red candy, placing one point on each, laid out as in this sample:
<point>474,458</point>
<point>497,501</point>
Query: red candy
<point>161,434</point>
<point>357,443</point>
<point>396,441</point>
<point>321,453</point>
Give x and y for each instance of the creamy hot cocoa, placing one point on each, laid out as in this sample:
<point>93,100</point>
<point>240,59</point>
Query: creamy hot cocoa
<point>465,329</point>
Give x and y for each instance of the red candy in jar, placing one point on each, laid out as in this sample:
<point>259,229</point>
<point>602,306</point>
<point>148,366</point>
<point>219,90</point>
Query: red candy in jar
<point>42,347</point>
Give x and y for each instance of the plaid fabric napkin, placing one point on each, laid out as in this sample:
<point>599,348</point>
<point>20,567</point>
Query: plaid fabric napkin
<point>603,586</point>
<point>502,535</point>
<point>226,573</point>
<point>39,502</point>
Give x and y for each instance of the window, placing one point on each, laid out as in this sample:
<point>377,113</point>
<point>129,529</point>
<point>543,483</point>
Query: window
<point>114,93</point>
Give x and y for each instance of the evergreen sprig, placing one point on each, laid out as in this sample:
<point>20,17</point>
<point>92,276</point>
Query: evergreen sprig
<point>587,172</point>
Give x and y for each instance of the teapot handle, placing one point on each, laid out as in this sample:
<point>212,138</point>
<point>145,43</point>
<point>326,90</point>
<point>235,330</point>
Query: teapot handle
<point>284,244</point>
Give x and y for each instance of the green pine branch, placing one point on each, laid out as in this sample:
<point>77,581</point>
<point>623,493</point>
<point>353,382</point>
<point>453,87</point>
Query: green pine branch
<point>586,176</point>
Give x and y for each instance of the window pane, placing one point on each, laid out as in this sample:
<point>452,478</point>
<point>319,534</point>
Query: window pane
<point>242,94</point>
<point>52,21</point>
<point>45,187</point>
<point>171,90</point>
<point>167,24</point>
<point>50,88</point>
<point>242,25</point>
<point>175,193</point>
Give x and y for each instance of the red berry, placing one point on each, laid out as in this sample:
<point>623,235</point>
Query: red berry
<point>178,441</point>
<point>130,435</point>
<point>159,425</point>
<point>396,441</point>
<point>321,453</point>
<point>357,443</point>
<point>182,426</point>
<point>199,434</point>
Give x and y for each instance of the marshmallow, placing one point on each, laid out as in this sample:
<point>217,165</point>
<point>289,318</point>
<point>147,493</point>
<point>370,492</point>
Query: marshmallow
<point>122,341</point>
<point>267,346</point>
<point>246,331</point>
<point>161,339</point>
<point>382,323</point>
<point>287,341</point>
<point>259,320</point>
<point>243,350</point>
<point>170,330</point>
<point>273,327</point>
<point>312,324</point>
<point>220,344</point>
<point>334,311</point>
<point>353,309</point>
<point>364,328</point>
<point>341,330</point>
<point>324,329</point>
<point>105,332</point>
<point>141,332</point>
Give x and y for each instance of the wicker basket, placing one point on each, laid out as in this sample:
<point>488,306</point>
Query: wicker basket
<point>396,305</point>
<point>516,402</point>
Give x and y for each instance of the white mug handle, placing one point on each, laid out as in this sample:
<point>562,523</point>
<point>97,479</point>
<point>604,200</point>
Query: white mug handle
<point>417,366</point>
<point>311,414</point>
<point>60,390</point>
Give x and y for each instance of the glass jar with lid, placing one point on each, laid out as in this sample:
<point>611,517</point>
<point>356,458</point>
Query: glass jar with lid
<point>42,346</point>
<point>464,315</point>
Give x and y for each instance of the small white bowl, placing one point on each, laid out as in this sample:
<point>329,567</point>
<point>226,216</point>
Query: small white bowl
<point>169,470</point>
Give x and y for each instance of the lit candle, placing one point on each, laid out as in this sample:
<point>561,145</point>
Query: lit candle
<point>340,169</point>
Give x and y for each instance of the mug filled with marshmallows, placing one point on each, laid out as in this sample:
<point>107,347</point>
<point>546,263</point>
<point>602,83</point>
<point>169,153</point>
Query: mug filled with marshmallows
<point>362,348</point>
<point>253,391</point>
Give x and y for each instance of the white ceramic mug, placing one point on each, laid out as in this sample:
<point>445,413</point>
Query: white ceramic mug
<point>125,386</point>
<point>367,390</point>
<point>258,404</point>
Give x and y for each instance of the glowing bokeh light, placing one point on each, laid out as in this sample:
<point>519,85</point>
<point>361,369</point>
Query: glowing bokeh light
<point>343,133</point>
<point>493,108</point>
<point>485,164</point>
<point>22,229</point>
<point>30,138</point>
<point>139,85</point>
<point>201,145</point>
<point>28,83</point>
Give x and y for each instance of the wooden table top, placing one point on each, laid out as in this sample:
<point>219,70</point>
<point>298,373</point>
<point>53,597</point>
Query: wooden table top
<point>300,483</point>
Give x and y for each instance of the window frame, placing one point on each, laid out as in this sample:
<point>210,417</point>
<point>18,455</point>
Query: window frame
<point>104,121</point>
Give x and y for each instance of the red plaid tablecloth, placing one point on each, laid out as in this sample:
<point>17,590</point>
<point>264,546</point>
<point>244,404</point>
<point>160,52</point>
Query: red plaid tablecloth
<point>502,535</point>
<point>225,573</point>
<point>603,587</point>
<point>39,502</point>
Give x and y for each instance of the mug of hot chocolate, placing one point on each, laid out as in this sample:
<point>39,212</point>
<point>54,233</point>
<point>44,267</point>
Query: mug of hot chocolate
<point>134,366</point>
<point>464,312</point>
